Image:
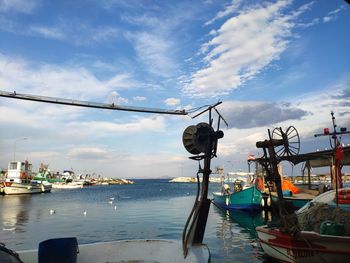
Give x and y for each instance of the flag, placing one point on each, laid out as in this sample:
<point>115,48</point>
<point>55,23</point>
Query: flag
<point>251,157</point>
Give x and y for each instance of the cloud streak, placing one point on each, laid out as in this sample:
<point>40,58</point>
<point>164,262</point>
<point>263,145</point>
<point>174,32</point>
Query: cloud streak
<point>242,47</point>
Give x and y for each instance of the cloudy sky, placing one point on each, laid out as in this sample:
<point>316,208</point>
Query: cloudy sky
<point>272,63</point>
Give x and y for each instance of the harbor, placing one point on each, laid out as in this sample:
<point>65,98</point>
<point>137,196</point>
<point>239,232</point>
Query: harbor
<point>185,131</point>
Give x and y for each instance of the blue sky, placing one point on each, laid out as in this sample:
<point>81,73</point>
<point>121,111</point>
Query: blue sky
<point>272,63</point>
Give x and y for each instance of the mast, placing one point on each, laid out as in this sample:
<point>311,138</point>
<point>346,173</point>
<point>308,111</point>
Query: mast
<point>338,155</point>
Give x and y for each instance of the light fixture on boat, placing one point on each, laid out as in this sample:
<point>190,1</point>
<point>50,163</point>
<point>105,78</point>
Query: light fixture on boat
<point>196,138</point>
<point>325,131</point>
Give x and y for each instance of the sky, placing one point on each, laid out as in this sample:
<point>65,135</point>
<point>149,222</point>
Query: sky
<point>271,63</point>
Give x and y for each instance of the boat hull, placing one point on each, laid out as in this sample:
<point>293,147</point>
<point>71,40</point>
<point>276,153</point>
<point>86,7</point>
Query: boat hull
<point>132,251</point>
<point>248,199</point>
<point>66,186</point>
<point>18,189</point>
<point>307,247</point>
<point>295,201</point>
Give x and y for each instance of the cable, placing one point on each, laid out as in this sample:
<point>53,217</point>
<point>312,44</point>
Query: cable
<point>184,237</point>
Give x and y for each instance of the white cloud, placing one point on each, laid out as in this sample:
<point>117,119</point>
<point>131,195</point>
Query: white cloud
<point>20,6</point>
<point>103,128</point>
<point>75,31</point>
<point>139,98</point>
<point>229,9</point>
<point>53,33</point>
<point>90,153</point>
<point>172,101</point>
<point>242,48</point>
<point>154,51</point>
<point>241,139</point>
<point>332,15</point>
<point>114,98</point>
<point>59,81</point>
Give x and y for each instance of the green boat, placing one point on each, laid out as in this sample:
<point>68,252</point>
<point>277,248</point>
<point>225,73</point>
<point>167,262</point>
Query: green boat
<point>244,196</point>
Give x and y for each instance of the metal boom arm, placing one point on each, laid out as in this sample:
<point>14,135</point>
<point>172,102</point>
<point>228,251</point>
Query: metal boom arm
<point>14,95</point>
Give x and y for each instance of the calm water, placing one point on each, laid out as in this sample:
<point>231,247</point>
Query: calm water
<point>147,209</point>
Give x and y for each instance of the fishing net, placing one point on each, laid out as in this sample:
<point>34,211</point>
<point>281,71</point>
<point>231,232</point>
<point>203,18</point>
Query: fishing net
<point>312,218</point>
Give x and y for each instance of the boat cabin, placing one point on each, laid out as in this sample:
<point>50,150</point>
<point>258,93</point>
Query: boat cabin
<point>18,172</point>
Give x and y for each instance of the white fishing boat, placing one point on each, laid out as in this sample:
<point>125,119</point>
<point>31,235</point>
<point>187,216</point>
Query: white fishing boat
<point>18,180</point>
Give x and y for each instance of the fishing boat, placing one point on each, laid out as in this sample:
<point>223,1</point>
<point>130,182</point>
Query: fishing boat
<point>244,193</point>
<point>42,178</point>
<point>18,180</point>
<point>323,233</point>
<point>307,246</point>
<point>326,238</point>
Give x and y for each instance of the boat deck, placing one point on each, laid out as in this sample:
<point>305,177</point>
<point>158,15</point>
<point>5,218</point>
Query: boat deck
<point>132,251</point>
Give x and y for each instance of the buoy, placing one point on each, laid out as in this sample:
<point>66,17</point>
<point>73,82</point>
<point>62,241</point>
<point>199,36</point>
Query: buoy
<point>52,211</point>
<point>85,213</point>
<point>115,207</point>
<point>262,203</point>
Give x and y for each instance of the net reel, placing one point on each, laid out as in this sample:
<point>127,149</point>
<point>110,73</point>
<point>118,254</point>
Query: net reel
<point>288,142</point>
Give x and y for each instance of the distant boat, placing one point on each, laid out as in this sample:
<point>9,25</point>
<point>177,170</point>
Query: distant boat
<point>242,194</point>
<point>19,180</point>
<point>70,185</point>
<point>42,178</point>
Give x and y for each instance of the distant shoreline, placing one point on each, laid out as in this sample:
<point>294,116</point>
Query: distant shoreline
<point>193,180</point>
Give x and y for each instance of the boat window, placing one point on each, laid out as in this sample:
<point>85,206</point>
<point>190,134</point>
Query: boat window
<point>13,166</point>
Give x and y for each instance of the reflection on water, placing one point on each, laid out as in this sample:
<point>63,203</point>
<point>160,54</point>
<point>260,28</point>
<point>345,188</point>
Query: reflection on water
<point>235,232</point>
<point>12,216</point>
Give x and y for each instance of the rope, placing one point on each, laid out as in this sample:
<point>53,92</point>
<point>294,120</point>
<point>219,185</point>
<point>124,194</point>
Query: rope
<point>185,234</point>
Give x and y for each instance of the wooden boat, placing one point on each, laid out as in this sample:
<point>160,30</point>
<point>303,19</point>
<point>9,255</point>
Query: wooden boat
<point>307,246</point>
<point>310,246</point>
<point>296,200</point>
<point>18,180</point>
<point>244,196</point>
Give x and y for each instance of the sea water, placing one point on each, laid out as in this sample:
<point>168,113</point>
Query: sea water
<point>148,209</point>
